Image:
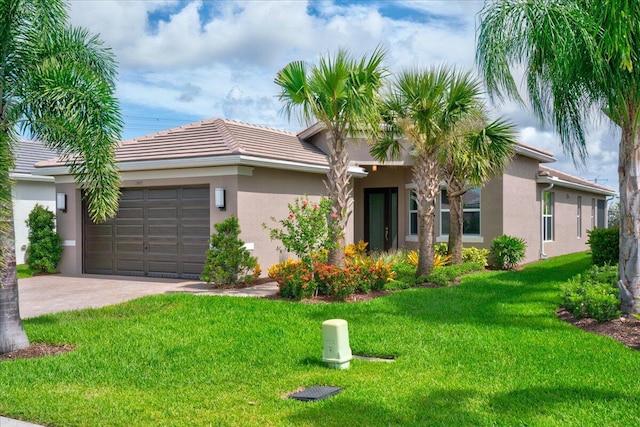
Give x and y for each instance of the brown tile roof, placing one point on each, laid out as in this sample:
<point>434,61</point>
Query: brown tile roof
<point>217,137</point>
<point>544,171</point>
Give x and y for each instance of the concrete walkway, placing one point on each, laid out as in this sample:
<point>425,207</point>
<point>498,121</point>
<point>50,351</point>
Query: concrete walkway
<point>51,294</point>
<point>54,293</point>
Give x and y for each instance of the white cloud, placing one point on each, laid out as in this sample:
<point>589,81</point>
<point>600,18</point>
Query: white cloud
<point>218,59</point>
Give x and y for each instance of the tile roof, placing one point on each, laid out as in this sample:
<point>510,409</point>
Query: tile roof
<point>28,153</point>
<point>217,137</point>
<point>544,171</point>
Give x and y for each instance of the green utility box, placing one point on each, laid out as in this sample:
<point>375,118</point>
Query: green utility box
<point>335,338</point>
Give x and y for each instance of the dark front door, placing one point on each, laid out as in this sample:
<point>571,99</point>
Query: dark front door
<point>381,218</point>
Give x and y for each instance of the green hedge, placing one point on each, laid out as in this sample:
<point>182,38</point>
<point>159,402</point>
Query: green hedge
<point>605,245</point>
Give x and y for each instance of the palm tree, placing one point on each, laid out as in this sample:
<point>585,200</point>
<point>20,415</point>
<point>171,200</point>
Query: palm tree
<point>341,93</point>
<point>424,107</point>
<point>478,152</point>
<point>56,83</point>
<point>579,57</point>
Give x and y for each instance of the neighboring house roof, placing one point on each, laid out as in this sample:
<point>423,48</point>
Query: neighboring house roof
<point>551,176</point>
<point>27,154</point>
<point>215,142</point>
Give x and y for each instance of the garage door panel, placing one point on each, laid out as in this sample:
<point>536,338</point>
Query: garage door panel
<point>129,265</point>
<point>165,212</point>
<point>167,231</point>
<point>162,194</point>
<point>157,232</point>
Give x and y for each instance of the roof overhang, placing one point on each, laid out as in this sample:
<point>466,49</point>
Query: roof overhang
<point>534,154</point>
<point>548,180</point>
<point>30,177</point>
<point>200,162</point>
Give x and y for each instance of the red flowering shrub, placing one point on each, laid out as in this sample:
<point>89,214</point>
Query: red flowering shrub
<point>294,279</point>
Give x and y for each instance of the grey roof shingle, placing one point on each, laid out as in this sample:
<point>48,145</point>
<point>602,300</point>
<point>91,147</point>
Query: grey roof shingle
<point>549,172</point>
<point>217,137</point>
<point>28,153</point>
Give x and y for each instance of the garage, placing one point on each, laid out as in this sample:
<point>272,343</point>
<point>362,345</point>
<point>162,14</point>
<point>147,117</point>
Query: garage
<point>157,232</point>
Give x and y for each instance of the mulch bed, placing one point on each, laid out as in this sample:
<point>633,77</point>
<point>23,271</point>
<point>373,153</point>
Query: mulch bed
<point>624,329</point>
<point>37,349</point>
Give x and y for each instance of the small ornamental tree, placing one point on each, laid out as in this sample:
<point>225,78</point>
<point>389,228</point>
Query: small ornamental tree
<point>228,261</point>
<point>305,231</point>
<point>45,245</point>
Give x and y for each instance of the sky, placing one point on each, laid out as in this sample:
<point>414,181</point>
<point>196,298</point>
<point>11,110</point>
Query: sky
<point>183,61</point>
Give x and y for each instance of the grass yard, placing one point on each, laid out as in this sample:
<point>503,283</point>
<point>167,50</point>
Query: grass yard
<point>488,352</point>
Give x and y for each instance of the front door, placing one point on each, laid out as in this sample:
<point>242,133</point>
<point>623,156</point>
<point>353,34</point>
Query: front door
<point>381,218</point>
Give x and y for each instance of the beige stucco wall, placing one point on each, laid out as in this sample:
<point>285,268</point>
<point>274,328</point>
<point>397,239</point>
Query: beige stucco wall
<point>566,239</point>
<point>267,194</point>
<point>521,204</point>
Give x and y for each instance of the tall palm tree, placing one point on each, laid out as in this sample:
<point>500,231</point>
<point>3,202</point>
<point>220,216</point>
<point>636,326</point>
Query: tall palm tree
<point>56,83</point>
<point>341,93</point>
<point>478,152</point>
<point>579,57</point>
<point>423,108</point>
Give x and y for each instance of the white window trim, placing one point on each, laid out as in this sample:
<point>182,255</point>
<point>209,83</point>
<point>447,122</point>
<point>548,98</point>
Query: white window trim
<point>468,238</point>
<point>579,217</point>
<point>551,215</point>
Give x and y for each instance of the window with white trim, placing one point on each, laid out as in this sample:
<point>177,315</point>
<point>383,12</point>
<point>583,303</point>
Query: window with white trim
<point>547,215</point>
<point>579,217</point>
<point>470,212</point>
<point>413,213</point>
<point>593,213</point>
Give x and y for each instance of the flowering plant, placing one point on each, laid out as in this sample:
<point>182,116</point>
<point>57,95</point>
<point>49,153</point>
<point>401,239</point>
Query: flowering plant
<point>304,231</point>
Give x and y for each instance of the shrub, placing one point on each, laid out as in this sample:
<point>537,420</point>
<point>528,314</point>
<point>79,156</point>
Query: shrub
<point>305,231</point>
<point>475,256</point>
<point>604,244</point>
<point>228,261</point>
<point>593,294</point>
<point>441,249</point>
<point>45,245</point>
<point>294,279</point>
<point>438,259</point>
<point>370,274</point>
<point>507,251</point>
<point>336,282</point>
<point>405,273</point>
<point>447,274</point>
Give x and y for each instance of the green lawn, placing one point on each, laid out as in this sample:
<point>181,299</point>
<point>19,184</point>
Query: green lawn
<point>487,352</point>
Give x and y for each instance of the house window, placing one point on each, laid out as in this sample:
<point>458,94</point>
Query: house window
<point>547,216</point>
<point>470,212</point>
<point>579,217</point>
<point>593,213</point>
<point>413,213</point>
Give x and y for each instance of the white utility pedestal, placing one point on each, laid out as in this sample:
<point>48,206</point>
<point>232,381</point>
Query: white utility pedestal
<point>335,337</point>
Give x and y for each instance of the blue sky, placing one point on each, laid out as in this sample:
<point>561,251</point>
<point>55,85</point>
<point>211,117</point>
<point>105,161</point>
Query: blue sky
<point>183,61</point>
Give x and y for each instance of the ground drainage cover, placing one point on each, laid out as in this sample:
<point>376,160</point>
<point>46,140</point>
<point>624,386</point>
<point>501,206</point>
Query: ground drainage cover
<point>315,393</point>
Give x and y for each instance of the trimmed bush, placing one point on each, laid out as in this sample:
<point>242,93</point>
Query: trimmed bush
<point>228,261</point>
<point>507,251</point>
<point>605,245</point>
<point>593,294</point>
<point>475,256</point>
<point>294,279</point>
<point>45,245</point>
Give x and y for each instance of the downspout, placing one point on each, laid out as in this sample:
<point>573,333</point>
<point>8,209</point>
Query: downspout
<point>542,191</point>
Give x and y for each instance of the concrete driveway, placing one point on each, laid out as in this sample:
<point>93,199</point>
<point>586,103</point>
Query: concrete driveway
<point>54,293</point>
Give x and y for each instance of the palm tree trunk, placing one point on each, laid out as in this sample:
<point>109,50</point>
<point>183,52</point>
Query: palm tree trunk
<point>339,191</point>
<point>12,335</point>
<point>455,191</point>
<point>629,263</point>
<point>425,176</point>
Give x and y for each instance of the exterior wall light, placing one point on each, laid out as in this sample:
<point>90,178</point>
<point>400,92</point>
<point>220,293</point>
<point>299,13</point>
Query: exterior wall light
<point>61,202</point>
<point>220,199</point>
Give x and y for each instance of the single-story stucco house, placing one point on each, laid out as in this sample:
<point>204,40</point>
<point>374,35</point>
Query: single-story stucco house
<point>177,183</point>
<point>29,189</point>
